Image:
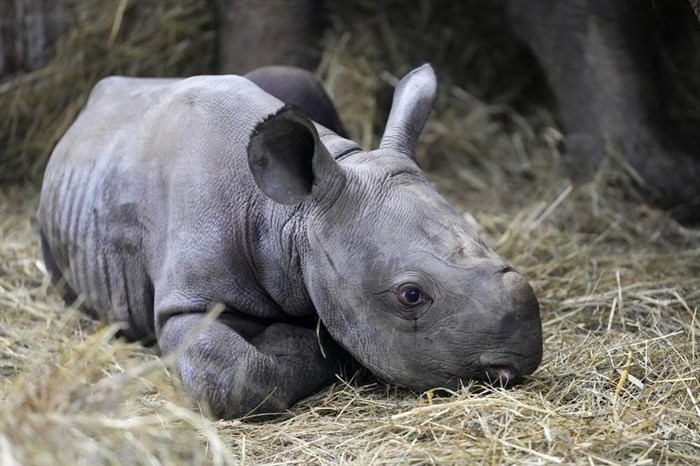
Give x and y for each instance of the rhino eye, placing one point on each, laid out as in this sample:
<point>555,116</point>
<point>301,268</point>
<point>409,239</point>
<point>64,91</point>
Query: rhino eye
<point>410,295</point>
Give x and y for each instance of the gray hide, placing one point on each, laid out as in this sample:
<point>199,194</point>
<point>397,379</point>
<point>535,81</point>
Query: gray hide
<point>167,196</point>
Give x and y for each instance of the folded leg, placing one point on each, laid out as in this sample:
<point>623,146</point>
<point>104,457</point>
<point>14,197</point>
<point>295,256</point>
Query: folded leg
<point>239,367</point>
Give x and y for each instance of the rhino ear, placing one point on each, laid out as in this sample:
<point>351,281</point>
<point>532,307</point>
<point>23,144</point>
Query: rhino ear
<point>288,161</point>
<point>413,100</point>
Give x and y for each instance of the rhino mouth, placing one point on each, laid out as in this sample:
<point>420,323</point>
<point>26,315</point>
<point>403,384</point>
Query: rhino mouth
<point>507,371</point>
<point>499,371</point>
<point>504,375</point>
<point>498,376</point>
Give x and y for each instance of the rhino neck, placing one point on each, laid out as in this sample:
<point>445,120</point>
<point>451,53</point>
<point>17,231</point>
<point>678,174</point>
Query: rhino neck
<point>274,240</point>
<point>279,240</point>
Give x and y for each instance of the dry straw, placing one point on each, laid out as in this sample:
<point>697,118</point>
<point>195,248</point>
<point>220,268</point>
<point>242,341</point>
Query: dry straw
<point>619,285</point>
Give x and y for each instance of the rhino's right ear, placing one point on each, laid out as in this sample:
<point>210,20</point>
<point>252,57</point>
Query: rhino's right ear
<point>413,100</point>
<point>288,161</point>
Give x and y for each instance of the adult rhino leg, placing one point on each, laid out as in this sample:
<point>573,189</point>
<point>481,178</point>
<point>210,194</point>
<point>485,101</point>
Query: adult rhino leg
<point>695,4</point>
<point>599,61</point>
<point>238,366</point>
<point>254,33</point>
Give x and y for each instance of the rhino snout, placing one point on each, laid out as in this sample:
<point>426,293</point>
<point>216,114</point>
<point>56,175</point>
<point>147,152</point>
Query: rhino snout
<point>513,348</point>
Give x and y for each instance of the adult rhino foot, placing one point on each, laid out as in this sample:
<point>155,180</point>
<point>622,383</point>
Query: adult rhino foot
<point>669,170</point>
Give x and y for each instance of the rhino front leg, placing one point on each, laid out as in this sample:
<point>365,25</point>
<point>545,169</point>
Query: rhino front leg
<point>239,368</point>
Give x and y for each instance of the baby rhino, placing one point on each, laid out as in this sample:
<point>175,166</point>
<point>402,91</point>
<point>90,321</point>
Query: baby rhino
<point>166,197</point>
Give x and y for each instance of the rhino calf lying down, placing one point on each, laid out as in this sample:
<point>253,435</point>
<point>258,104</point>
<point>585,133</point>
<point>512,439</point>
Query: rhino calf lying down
<point>166,196</point>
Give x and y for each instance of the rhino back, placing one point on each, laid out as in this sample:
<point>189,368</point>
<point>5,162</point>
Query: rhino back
<point>147,198</point>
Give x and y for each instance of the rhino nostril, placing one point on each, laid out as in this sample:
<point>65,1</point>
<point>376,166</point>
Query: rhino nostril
<point>507,268</point>
<point>502,374</point>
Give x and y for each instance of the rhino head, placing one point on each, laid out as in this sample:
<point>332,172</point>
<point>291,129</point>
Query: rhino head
<point>396,274</point>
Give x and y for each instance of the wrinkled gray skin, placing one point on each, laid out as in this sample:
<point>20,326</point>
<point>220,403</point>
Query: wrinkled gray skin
<point>166,196</point>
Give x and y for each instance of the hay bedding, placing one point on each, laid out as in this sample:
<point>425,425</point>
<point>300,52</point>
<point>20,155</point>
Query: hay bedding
<point>619,285</point>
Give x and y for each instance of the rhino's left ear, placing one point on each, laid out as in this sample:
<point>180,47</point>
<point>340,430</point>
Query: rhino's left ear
<point>288,161</point>
<point>413,100</point>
